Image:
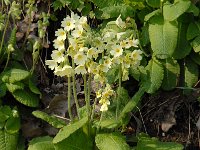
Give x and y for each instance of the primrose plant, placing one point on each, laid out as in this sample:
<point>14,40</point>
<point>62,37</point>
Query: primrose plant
<point>92,53</point>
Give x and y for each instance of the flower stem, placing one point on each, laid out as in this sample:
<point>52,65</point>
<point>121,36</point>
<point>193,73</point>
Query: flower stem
<point>74,91</point>
<point>101,117</point>
<point>120,85</point>
<point>69,99</point>
<point>93,110</point>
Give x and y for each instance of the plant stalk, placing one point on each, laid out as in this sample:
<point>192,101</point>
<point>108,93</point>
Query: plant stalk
<point>120,85</point>
<point>69,99</point>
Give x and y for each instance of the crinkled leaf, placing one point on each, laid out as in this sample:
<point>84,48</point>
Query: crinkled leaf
<point>34,88</point>
<point>151,14</point>
<point>41,143</point>
<point>14,75</point>
<point>173,11</point>
<point>12,125</point>
<point>26,98</point>
<point>154,77</point>
<point>76,141</point>
<point>134,72</point>
<point>8,141</point>
<point>112,74</point>
<point>153,3</point>
<point>171,74</point>
<point>193,30</point>
<point>5,113</point>
<point>14,86</point>
<point>54,121</point>
<point>193,9</point>
<point>147,143</point>
<point>163,36</point>
<point>111,141</point>
<point>183,47</point>
<point>196,44</point>
<point>66,131</point>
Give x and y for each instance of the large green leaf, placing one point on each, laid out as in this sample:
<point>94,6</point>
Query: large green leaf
<point>41,143</point>
<point>193,30</point>
<point>193,9</point>
<point>111,141</point>
<point>191,73</point>
<point>171,73</point>
<point>133,102</point>
<point>153,3</point>
<point>8,141</point>
<point>151,14</point>
<point>3,89</point>
<point>66,131</point>
<point>34,88</point>
<point>147,143</point>
<point>105,3</point>
<point>26,98</point>
<point>54,121</point>
<point>196,44</point>
<point>154,77</point>
<point>14,75</point>
<point>76,141</point>
<point>183,47</point>
<point>14,86</point>
<point>12,125</point>
<point>173,11</point>
<point>163,36</point>
<point>144,38</point>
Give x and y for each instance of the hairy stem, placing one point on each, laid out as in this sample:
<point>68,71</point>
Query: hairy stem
<point>74,91</point>
<point>69,99</point>
<point>120,85</point>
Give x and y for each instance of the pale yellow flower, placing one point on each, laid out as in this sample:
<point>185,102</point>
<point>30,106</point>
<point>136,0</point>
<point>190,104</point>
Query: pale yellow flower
<point>136,55</point>
<point>116,51</point>
<point>61,34</point>
<point>125,74</point>
<point>91,52</point>
<point>52,64</point>
<point>108,62</point>
<point>104,107</point>
<point>68,23</point>
<point>120,23</point>
<point>64,71</point>
<point>132,43</point>
<point>80,69</point>
<point>77,32</point>
<point>103,68</point>
<point>59,44</point>
<point>80,58</point>
<point>57,56</point>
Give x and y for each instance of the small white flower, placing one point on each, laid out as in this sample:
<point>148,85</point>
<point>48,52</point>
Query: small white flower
<point>61,34</point>
<point>77,32</point>
<point>80,58</point>
<point>80,69</point>
<point>59,44</point>
<point>136,55</point>
<point>83,20</point>
<point>120,23</point>
<point>64,71</point>
<point>103,68</point>
<point>68,23</point>
<point>119,35</point>
<point>51,63</point>
<point>116,51</point>
<point>57,56</point>
<point>132,43</point>
<point>104,107</point>
<point>75,17</point>
<point>91,52</point>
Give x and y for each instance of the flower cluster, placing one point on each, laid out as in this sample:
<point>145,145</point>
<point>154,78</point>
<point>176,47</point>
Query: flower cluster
<point>94,52</point>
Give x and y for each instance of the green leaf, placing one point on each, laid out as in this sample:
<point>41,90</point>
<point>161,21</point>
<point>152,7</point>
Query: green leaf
<point>112,74</point>
<point>153,3</point>
<point>183,47</point>
<point>153,13</point>
<point>193,9</point>
<point>8,141</point>
<point>26,98</point>
<point>41,143</point>
<point>163,36</point>
<point>34,88</point>
<point>171,74</point>
<point>3,89</point>
<point>193,30</point>
<point>54,121</point>
<point>12,125</point>
<point>133,102</point>
<point>86,9</point>
<point>66,131</point>
<point>154,77</point>
<point>111,141</point>
<point>105,3</point>
<point>115,11</point>
<point>196,44</point>
<point>195,57</point>
<point>14,86</point>
<point>147,143</point>
<point>5,113</point>
<point>76,141</point>
<point>173,11</point>
<point>134,72</point>
<point>144,38</point>
<point>191,73</point>
<point>14,75</point>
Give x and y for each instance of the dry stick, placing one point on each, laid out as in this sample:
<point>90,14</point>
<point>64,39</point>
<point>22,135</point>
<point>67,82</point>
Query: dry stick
<point>142,120</point>
<point>69,99</point>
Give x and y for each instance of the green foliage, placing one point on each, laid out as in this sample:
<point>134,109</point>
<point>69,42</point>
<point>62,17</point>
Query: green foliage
<point>111,141</point>
<point>41,143</point>
<point>77,140</point>
<point>196,44</point>
<point>66,131</point>
<point>34,88</point>
<point>193,30</point>
<point>153,3</point>
<point>173,11</point>
<point>163,36</point>
<point>171,74</point>
<point>54,121</point>
<point>12,87</point>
